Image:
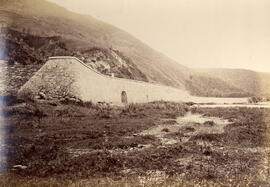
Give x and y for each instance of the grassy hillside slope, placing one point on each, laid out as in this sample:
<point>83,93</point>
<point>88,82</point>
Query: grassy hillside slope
<point>37,29</point>
<point>81,32</point>
<point>256,83</point>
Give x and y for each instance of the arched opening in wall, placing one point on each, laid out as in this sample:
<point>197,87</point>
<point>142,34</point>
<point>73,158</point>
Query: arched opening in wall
<point>124,97</point>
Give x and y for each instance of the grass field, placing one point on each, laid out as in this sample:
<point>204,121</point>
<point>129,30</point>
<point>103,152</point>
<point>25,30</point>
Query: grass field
<point>56,144</point>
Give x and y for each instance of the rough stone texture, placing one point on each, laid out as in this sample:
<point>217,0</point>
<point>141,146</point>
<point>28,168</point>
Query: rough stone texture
<point>70,78</point>
<point>55,80</point>
<point>67,77</point>
<point>12,77</point>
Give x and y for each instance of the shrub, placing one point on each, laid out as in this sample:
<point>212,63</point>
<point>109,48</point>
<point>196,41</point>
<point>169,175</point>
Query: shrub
<point>165,130</point>
<point>209,123</point>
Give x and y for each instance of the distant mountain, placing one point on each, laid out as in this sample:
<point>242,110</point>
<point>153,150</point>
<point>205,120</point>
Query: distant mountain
<point>82,32</point>
<point>254,83</point>
<point>37,29</point>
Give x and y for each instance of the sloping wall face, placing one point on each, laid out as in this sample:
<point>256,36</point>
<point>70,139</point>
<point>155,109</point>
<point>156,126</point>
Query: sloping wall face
<point>67,77</point>
<point>55,80</point>
<point>110,89</point>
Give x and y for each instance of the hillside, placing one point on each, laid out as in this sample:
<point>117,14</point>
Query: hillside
<point>81,32</point>
<point>255,83</point>
<point>208,86</point>
<point>37,29</point>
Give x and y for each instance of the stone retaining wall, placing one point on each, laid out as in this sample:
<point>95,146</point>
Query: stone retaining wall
<point>69,78</point>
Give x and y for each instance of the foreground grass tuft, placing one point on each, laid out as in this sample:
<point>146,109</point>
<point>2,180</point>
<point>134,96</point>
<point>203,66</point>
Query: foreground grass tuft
<point>102,145</point>
<point>153,180</point>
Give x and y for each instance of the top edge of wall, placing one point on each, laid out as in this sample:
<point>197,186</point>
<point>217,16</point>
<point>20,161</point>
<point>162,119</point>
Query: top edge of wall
<point>63,57</point>
<point>75,58</point>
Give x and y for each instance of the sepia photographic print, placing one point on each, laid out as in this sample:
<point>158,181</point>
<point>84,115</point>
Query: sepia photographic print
<point>124,93</point>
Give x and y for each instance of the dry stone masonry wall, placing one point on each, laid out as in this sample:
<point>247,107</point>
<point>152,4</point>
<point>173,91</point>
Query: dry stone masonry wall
<point>68,78</point>
<point>55,80</point>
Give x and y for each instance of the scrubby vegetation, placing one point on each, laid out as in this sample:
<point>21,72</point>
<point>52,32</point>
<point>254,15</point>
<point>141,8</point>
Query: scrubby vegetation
<point>215,87</point>
<point>41,135</point>
<point>70,142</point>
<point>36,33</point>
<point>153,179</point>
<point>29,49</point>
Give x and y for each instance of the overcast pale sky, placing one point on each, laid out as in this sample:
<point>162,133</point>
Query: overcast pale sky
<point>196,33</point>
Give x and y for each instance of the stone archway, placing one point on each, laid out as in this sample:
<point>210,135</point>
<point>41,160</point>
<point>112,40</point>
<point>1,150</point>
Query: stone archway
<point>124,97</point>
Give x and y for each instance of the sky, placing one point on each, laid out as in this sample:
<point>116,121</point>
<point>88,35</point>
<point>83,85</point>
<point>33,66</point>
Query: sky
<point>195,33</point>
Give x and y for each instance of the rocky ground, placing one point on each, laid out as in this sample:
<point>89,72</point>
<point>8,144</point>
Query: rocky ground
<point>12,77</point>
<point>150,144</point>
<point>27,52</point>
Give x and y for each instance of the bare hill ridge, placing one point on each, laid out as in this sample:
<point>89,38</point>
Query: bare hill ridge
<point>82,32</point>
<point>255,83</point>
<point>39,29</point>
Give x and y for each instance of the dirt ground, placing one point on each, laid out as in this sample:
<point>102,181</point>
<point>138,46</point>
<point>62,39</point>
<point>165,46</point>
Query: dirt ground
<point>148,143</point>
